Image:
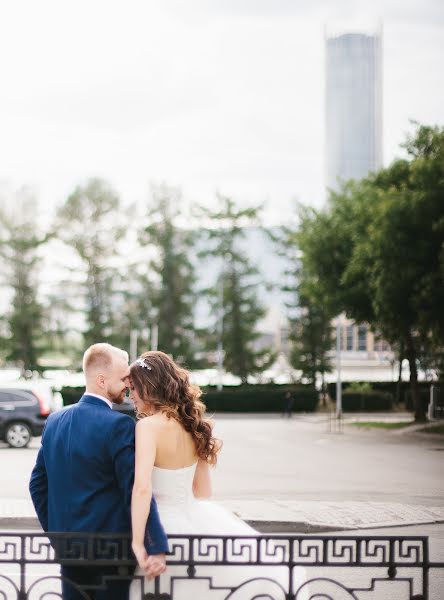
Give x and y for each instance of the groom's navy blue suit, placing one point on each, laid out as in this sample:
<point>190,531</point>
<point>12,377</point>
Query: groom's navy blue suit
<point>83,479</point>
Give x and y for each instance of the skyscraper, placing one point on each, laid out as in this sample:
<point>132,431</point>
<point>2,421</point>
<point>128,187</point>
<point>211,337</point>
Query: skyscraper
<point>353,105</point>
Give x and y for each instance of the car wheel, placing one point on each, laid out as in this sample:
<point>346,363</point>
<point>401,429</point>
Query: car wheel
<point>18,435</point>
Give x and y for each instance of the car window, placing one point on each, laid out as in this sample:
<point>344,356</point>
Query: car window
<point>5,397</point>
<point>18,397</point>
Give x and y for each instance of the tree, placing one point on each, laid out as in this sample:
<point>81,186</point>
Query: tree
<point>172,293</point>
<point>89,222</point>
<point>20,241</point>
<point>406,253</point>
<point>234,298</point>
<point>309,315</point>
<point>132,304</point>
<point>311,335</point>
<point>377,250</point>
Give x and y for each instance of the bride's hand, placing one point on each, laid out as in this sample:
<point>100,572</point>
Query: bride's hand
<point>141,556</point>
<point>152,566</point>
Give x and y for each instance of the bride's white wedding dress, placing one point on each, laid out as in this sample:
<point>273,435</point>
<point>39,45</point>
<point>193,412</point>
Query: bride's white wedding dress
<point>181,513</point>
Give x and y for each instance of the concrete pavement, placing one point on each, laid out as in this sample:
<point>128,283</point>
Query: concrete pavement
<point>294,472</point>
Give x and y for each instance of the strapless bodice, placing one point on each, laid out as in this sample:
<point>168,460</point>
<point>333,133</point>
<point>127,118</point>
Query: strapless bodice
<point>181,512</point>
<point>173,487</point>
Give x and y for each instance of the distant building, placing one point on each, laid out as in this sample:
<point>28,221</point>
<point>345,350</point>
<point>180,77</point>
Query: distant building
<point>358,341</point>
<point>353,144</point>
<point>353,105</point>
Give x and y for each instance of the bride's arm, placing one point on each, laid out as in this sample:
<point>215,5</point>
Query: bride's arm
<point>202,480</point>
<point>142,490</point>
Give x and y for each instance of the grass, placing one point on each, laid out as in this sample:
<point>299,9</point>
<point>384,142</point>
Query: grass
<point>438,428</point>
<point>382,424</point>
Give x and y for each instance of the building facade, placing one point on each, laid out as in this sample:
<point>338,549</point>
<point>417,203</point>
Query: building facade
<point>353,106</point>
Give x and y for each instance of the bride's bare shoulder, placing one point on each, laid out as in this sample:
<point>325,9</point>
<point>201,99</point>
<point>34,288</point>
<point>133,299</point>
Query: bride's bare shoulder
<point>151,423</point>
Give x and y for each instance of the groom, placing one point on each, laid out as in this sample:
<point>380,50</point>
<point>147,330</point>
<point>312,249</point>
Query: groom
<point>83,477</point>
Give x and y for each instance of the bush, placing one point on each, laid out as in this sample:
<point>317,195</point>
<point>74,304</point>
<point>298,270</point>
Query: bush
<point>390,388</point>
<point>359,388</point>
<point>71,395</point>
<point>366,401</point>
<point>260,399</point>
<point>252,398</point>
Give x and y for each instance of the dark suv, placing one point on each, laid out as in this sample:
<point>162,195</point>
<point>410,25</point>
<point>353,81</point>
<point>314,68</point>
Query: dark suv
<point>23,414</point>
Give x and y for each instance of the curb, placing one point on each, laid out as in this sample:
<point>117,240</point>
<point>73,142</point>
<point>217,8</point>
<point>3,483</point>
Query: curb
<point>20,523</point>
<point>293,527</point>
<point>265,527</point>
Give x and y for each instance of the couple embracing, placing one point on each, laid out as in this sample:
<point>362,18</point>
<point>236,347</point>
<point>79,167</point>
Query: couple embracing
<point>97,471</point>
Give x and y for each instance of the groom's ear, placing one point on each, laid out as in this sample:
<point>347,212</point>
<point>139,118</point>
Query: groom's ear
<point>100,379</point>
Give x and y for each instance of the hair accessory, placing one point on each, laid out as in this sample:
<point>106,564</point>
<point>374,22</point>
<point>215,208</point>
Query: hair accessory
<point>141,363</point>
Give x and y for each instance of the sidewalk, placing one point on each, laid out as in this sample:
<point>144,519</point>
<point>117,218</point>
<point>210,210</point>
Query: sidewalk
<point>281,515</point>
<point>323,516</point>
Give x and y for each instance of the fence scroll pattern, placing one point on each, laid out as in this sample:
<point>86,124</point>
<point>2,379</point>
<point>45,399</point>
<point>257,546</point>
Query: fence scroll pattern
<point>281,567</point>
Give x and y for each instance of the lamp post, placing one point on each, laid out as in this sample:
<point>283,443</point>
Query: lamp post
<point>154,336</point>
<point>338,370</point>
<point>133,345</point>
<point>220,332</point>
<point>220,323</point>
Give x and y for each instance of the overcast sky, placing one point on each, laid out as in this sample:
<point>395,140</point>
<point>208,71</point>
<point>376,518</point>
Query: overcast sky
<point>208,95</point>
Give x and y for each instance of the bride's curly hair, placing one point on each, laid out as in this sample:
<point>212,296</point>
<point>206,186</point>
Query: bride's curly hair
<point>166,387</point>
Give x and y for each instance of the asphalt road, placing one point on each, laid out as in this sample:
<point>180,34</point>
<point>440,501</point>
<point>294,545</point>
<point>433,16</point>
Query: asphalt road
<point>297,459</point>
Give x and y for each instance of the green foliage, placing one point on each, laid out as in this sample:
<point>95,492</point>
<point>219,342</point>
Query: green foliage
<point>252,399</point>
<point>71,395</point>
<point>89,222</point>
<point>234,299</point>
<point>171,288</point>
<point>437,429</point>
<point>366,401</point>
<point>23,335</point>
<point>360,388</point>
<point>132,302</point>
<point>382,424</point>
<point>308,314</point>
<point>377,250</point>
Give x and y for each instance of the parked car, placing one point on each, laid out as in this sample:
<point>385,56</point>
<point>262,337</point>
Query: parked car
<point>127,407</point>
<point>23,411</point>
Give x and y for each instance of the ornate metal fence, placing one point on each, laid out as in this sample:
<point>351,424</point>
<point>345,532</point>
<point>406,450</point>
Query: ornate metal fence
<point>283,567</point>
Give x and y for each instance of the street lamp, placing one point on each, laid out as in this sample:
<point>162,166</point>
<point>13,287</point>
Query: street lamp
<point>133,344</point>
<point>338,370</point>
<point>220,332</point>
<point>220,324</point>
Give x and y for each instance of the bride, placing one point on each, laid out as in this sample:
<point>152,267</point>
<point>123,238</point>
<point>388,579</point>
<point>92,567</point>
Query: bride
<point>175,448</point>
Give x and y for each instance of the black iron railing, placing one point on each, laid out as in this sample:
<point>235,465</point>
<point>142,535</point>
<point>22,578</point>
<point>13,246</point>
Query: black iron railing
<point>283,567</point>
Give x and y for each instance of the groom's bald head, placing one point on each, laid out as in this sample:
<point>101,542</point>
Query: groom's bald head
<point>106,371</point>
<point>100,357</point>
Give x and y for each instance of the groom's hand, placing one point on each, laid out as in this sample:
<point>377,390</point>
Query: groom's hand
<point>155,565</point>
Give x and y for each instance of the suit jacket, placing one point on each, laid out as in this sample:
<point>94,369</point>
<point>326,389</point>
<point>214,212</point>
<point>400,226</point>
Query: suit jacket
<point>84,474</point>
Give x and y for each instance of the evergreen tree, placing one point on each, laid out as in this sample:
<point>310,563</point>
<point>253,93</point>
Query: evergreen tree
<point>172,281</point>
<point>20,240</point>
<point>309,315</point>
<point>90,223</point>
<point>234,299</point>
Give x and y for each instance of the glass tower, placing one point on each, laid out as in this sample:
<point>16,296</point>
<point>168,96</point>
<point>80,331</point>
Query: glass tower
<point>353,105</point>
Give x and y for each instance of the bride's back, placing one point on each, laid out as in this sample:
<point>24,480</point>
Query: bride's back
<point>175,447</point>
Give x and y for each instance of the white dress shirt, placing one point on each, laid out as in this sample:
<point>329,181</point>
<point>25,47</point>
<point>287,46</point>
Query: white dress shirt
<point>110,404</point>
